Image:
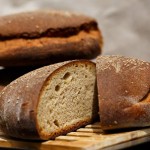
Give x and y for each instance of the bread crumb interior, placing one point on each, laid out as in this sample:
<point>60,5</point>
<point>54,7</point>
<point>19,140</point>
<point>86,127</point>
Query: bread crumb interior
<point>68,98</point>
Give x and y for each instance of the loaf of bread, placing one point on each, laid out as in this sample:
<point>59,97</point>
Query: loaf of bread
<point>123,91</point>
<point>45,37</point>
<point>50,101</point>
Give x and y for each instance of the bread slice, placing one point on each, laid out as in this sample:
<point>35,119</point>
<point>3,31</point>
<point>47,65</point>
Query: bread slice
<point>124,92</point>
<point>43,37</point>
<point>50,101</point>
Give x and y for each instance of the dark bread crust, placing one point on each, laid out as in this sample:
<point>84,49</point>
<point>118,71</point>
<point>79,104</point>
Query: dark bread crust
<point>44,51</point>
<point>46,37</point>
<point>124,92</point>
<point>20,121</point>
<point>36,23</point>
<point>19,101</point>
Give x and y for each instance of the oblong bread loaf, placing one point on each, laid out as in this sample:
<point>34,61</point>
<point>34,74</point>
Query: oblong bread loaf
<point>50,101</point>
<point>45,37</point>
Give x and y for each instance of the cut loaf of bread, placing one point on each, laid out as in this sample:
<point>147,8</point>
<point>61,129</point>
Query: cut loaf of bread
<point>50,101</point>
<point>124,92</point>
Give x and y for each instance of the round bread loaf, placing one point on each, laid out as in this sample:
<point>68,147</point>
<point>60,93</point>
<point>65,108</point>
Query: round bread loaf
<point>46,37</point>
<point>124,92</point>
<point>50,101</point>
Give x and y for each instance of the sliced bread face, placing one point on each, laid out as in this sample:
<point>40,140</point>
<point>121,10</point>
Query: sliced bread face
<point>123,91</point>
<point>50,101</point>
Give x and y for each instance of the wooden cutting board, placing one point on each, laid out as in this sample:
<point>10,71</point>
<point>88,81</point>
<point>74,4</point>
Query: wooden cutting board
<point>91,137</point>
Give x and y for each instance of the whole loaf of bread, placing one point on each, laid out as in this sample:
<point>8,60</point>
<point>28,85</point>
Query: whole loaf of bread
<point>123,91</point>
<point>50,101</point>
<point>45,37</point>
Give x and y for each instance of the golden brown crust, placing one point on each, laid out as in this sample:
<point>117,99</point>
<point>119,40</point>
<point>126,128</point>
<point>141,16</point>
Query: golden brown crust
<point>46,37</point>
<point>123,87</point>
<point>47,50</point>
<point>19,100</point>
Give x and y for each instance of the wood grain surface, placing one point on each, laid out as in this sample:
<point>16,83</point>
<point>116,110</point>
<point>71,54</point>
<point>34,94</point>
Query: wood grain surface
<point>91,137</point>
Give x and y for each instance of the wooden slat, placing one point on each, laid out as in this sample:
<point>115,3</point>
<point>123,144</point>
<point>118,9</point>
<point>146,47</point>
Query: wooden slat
<point>93,126</point>
<point>77,138</point>
<point>122,137</point>
<point>89,138</point>
<point>73,145</point>
<point>83,134</point>
<point>90,130</point>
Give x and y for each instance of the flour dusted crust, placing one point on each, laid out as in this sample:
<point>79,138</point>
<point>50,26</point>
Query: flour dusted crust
<point>46,37</point>
<point>22,94</point>
<point>124,92</point>
<point>19,102</point>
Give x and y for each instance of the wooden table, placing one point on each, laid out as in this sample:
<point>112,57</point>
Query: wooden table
<point>90,137</point>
